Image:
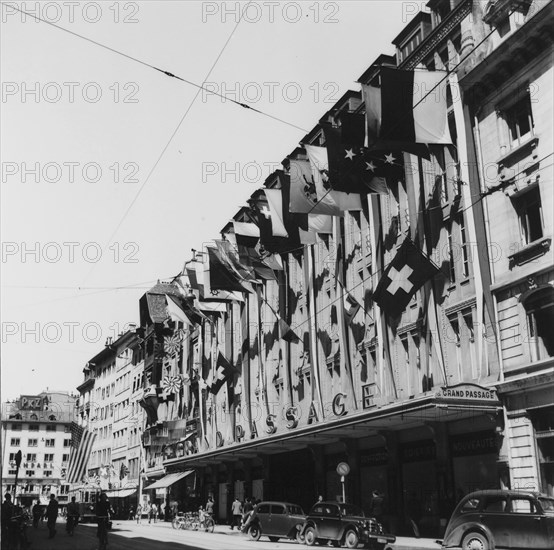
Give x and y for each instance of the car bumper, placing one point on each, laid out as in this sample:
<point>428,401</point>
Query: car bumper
<point>367,536</point>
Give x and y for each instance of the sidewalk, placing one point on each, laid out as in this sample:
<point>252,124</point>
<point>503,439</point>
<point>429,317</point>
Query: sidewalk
<point>402,543</point>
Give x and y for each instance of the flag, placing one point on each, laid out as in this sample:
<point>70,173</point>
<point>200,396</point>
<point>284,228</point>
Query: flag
<point>274,212</point>
<point>372,101</point>
<point>229,253</point>
<point>320,223</point>
<point>352,167</point>
<point>303,192</point>
<point>319,162</point>
<point>224,372</point>
<point>82,441</point>
<point>351,307</point>
<point>406,274</point>
<point>247,236</point>
<point>175,311</point>
<point>413,106</point>
<point>221,276</point>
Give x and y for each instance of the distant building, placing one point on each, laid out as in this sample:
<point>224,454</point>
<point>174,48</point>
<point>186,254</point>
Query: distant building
<point>108,406</point>
<point>39,427</point>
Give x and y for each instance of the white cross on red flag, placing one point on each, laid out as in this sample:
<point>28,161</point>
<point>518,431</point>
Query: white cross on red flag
<point>403,277</point>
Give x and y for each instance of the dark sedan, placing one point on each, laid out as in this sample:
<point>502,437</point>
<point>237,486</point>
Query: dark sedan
<point>343,524</point>
<point>275,520</point>
<point>498,519</point>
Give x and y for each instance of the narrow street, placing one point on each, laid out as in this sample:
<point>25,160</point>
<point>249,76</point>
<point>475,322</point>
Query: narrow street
<point>127,535</point>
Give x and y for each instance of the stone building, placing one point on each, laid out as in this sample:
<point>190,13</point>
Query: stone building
<point>39,427</point>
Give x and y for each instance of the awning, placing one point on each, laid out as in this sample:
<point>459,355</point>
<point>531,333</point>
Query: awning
<point>121,494</point>
<point>169,479</point>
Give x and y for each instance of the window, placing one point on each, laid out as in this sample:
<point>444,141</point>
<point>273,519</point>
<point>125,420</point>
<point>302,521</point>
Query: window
<point>263,509</point>
<point>410,45</point>
<point>33,427</point>
<point>495,504</point>
<point>471,505</point>
<point>67,442</point>
<point>278,509</point>
<point>464,247</point>
<point>520,121</point>
<point>539,306</point>
<point>15,442</point>
<point>50,428</point>
<point>11,472</point>
<point>529,210</point>
<point>521,505</point>
<point>47,473</point>
<point>65,458</point>
<point>50,442</point>
<point>32,442</point>
<point>49,457</point>
<point>29,473</point>
<point>16,427</point>
<point>31,457</point>
<point>451,264</point>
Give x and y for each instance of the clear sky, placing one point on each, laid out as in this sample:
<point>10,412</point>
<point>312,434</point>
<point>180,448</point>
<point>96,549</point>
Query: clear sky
<point>82,127</point>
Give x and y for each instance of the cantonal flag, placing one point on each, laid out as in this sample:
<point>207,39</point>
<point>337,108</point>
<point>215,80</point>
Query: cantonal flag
<point>413,106</point>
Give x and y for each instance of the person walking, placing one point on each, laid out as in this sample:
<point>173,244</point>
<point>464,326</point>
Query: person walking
<point>8,510</point>
<point>210,506</point>
<point>37,514</point>
<point>247,509</point>
<point>51,516</point>
<point>236,511</point>
<point>152,513</point>
<point>72,516</point>
<point>139,514</point>
<point>103,512</point>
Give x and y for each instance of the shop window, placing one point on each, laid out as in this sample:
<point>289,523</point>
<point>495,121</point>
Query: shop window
<point>539,306</point>
<point>529,211</point>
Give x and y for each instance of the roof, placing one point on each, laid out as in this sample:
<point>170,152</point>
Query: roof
<point>154,303</point>
<point>507,492</point>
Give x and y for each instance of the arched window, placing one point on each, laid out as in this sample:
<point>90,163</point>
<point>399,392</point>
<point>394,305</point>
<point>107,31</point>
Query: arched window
<point>539,305</point>
<point>51,417</point>
<point>33,417</point>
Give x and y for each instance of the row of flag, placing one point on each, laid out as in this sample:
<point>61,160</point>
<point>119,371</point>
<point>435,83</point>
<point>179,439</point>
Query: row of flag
<point>362,154</point>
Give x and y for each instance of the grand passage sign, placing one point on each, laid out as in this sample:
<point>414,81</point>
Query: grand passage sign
<point>468,392</point>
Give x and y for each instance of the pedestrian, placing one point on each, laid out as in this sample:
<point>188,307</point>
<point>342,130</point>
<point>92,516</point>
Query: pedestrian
<point>103,512</point>
<point>37,514</point>
<point>236,511</point>
<point>247,509</point>
<point>152,512</point>
<point>167,512</point>
<point>72,516</point>
<point>319,499</point>
<point>131,513</point>
<point>139,514</point>
<point>210,506</point>
<point>51,516</point>
<point>8,510</point>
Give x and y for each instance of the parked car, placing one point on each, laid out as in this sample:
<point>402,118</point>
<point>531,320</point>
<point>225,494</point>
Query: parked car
<point>275,520</point>
<point>343,524</point>
<point>500,519</point>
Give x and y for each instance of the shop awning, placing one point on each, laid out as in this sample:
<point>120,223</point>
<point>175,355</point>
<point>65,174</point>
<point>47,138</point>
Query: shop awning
<point>121,494</point>
<point>169,479</point>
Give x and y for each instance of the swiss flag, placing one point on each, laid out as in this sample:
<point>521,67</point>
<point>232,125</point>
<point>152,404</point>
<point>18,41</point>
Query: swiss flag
<point>403,277</point>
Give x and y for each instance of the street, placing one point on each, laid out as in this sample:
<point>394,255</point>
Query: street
<point>127,535</point>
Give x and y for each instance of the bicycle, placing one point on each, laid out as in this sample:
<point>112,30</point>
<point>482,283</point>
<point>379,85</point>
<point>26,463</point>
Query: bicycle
<point>102,532</point>
<point>207,522</point>
<point>178,520</point>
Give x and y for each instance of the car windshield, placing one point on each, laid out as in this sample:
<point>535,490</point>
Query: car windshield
<point>296,510</point>
<point>547,505</point>
<point>351,510</point>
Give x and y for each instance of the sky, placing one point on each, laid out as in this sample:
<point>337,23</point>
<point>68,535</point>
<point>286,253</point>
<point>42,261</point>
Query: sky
<point>113,171</point>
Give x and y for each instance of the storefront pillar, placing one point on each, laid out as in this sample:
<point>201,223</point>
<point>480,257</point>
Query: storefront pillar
<point>394,499</point>
<point>319,470</point>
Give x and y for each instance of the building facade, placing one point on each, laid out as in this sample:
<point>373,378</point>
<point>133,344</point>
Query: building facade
<point>39,427</point>
<point>108,407</point>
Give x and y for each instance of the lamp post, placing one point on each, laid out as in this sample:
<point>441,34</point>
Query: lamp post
<point>343,469</point>
<point>17,465</point>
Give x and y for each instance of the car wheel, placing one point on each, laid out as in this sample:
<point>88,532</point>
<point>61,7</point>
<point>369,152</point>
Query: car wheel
<point>351,539</point>
<point>255,532</point>
<point>299,536</point>
<point>475,541</point>
<point>309,536</point>
<point>273,539</point>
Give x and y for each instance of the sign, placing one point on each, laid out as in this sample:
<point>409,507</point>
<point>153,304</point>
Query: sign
<point>31,403</point>
<point>418,451</point>
<point>374,457</point>
<point>478,443</point>
<point>468,392</point>
<point>368,396</point>
<point>343,469</point>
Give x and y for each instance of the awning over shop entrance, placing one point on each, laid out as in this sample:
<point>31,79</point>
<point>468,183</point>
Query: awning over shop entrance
<point>121,494</point>
<point>169,479</point>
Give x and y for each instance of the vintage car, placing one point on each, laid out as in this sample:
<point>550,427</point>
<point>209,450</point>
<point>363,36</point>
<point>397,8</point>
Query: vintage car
<point>343,524</point>
<point>500,519</point>
<point>276,520</point>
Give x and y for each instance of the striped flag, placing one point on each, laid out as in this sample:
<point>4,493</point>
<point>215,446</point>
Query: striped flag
<point>81,447</point>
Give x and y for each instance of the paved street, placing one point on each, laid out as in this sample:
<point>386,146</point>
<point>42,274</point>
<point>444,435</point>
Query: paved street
<point>127,535</point>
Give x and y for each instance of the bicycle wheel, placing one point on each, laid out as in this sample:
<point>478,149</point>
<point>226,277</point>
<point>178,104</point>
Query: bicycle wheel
<point>209,525</point>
